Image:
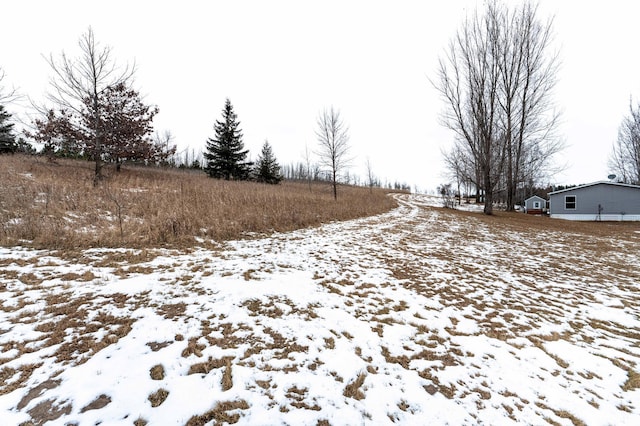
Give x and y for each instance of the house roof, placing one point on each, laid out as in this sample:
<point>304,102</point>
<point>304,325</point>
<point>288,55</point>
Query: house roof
<point>534,197</point>
<point>604,182</point>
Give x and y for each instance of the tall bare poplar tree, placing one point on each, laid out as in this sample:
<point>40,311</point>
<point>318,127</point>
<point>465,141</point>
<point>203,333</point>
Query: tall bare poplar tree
<point>625,158</point>
<point>333,138</point>
<point>468,80</point>
<point>528,69</point>
<point>78,83</point>
<point>497,77</point>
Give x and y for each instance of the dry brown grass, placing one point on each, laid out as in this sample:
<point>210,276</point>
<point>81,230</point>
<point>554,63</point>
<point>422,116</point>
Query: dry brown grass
<point>98,403</point>
<point>352,390</point>
<point>207,366</point>
<point>48,410</point>
<point>55,205</point>
<point>633,381</point>
<point>298,399</point>
<point>580,234</point>
<point>157,372</point>
<point>157,398</point>
<point>227,376</point>
<point>220,414</point>
<point>193,347</point>
<point>36,392</point>
<point>24,373</point>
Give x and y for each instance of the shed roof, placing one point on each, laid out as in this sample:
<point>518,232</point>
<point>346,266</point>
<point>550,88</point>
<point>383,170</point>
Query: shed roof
<point>603,182</point>
<point>534,197</point>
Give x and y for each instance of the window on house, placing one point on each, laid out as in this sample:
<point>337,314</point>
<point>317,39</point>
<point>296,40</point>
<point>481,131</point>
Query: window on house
<point>536,204</point>
<point>570,202</point>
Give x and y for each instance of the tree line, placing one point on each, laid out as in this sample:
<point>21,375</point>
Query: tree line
<point>94,113</point>
<point>496,78</point>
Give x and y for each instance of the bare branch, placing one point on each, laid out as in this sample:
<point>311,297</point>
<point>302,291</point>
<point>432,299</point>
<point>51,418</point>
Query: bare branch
<point>625,157</point>
<point>87,75</point>
<point>7,95</point>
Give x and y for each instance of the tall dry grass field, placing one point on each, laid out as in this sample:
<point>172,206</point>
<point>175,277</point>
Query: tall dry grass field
<point>55,205</point>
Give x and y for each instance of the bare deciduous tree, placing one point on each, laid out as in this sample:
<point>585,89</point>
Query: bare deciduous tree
<point>528,70</point>
<point>333,138</point>
<point>496,78</point>
<point>371,178</point>
<point>468,80</point>
<point>6,94</point>
<point>78,83</point>
<point>625,157</point>
<point>307,166</point>
<point>164,142</point>
<point>459,168</point>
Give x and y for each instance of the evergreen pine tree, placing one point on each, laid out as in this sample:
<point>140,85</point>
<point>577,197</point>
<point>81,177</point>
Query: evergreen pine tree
<point>24,147</point>
<point>267,169</point>
<point>7,140</point>
<point>225,154</point>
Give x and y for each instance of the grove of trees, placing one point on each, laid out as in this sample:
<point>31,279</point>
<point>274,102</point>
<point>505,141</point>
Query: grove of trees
<point>496,78</point>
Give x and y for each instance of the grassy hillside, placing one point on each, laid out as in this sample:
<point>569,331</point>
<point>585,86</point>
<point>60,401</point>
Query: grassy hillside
<point>55,205</point>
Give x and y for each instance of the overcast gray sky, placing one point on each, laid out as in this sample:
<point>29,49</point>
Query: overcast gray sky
<point>281,62</point>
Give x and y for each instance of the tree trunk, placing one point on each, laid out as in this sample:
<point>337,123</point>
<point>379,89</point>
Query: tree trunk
<point>97,177</point>
<point>510,175</point>
<point>335,185</point>
<point>97,137</point>
<point>488,193</point>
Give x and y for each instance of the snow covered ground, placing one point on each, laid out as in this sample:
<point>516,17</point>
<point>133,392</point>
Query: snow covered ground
<point>417,316</point>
